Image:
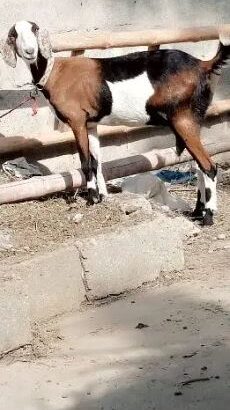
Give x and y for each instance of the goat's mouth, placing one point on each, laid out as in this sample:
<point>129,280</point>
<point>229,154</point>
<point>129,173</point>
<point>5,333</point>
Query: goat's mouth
<point>30,59</point>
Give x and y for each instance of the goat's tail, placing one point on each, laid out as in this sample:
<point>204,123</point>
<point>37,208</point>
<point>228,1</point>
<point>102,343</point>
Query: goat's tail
<point>223,54</point>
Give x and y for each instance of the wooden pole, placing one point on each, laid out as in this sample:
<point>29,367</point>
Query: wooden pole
<point>103,40</point>
<point>218,108</point>
<point>37,187</point>
<point>25,143</point>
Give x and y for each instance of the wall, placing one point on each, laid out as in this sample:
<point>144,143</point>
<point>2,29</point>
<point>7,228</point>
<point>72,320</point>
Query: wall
<point>95,15</point>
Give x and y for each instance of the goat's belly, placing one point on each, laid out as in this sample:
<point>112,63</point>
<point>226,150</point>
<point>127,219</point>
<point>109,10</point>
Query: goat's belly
<point>129,98</point>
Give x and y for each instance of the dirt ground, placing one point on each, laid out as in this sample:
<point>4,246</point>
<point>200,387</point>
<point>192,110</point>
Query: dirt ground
<point>44,224</point>
<point>162,347</point>
<point>100,359</point>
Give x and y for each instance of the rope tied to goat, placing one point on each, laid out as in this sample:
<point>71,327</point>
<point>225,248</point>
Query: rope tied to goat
<point>34,105</point>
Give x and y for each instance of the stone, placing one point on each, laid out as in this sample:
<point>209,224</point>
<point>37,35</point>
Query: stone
<point>6,239</point>
<point>150,186</point>
<point>226,177</point>
<point>129,203</point>
<point>221,236</point>
<point>145,184</point>
<point>77,218</point>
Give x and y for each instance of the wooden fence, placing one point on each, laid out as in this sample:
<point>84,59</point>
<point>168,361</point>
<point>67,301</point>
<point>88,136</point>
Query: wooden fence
<point>155,159</point>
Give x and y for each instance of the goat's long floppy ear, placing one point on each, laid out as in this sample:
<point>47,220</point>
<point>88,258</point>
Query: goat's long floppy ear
<point>44,43</point>
<point>7,49</point>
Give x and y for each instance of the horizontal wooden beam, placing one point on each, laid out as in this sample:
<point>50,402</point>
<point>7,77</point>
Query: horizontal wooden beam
<point>41,186</point>
<point>33,142</point>
<point>90,40</point>
<point>218,108</point>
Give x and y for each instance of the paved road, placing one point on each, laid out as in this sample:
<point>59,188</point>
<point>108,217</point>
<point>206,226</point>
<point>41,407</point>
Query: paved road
<point>98,359</point>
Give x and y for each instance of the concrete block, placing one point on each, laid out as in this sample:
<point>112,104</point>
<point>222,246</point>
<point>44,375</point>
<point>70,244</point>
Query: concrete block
<point>37,290</point>
<point>54,283</point>
<point>124,259</point>
<point>150,186</point>
<point>15,329</point>
<point>129,203</point>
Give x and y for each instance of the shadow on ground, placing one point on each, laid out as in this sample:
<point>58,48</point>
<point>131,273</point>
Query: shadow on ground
<point>115,366</point>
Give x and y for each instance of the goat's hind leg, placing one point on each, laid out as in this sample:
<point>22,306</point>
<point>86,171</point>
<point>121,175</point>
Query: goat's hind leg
<point>210,180</point>
<point>199,210</point>
<point>189,131</point>
<point>206,197</point>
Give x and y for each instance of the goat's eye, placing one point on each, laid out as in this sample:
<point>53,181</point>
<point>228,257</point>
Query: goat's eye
<point>35,29</point>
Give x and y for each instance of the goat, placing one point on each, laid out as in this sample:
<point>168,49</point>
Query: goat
<point>167,87</point>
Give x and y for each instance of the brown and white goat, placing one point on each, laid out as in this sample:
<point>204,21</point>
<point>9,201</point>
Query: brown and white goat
<point>166,87</point>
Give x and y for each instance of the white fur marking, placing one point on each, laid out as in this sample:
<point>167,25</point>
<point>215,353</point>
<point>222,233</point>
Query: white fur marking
<point>94,147</point>
<point>26,40</point>
<point>94,144</point>
<point>201,186</point>
<point>92,183</point>
<point>129,101</point>
<point>47,73</point>
<point>101,184</point>
<point>209,183</point>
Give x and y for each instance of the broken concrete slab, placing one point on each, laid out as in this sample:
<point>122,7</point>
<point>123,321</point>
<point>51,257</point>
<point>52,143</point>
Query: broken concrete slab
<point>150,186</point>
<point>112,262</point>
<point>15,327</point>
<point>145,184</point>
<point>129,203</point>
<point>54,282</point>
<point>37,290</point>
<point>124,259</point>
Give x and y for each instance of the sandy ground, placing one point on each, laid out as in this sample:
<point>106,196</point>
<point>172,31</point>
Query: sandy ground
<point>101,359</point>
<point>37,225</point>
<point>46,223</point>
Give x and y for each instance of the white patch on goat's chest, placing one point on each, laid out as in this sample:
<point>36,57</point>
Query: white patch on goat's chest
<point>129,99</point>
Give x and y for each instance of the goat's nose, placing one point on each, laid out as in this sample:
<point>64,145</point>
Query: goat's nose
<point>29,50</point>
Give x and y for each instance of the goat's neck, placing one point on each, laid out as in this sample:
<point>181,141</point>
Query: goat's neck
<point>38,69</point>
<point>41,70</point>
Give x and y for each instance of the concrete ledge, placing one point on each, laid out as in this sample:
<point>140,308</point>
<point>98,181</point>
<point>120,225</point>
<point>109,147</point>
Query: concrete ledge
<point>54,283</point>
<point>110,263</point>
<point>37,290</point>
<point>15,329</point>
<point>126,258</point>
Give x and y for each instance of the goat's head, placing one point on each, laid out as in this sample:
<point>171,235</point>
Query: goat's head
<point>25,40</point>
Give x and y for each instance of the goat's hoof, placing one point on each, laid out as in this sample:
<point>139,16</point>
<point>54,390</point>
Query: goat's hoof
<point>93,197</point>
<point>197,214</point>
<point>208,218</point>
<point>103,197</point>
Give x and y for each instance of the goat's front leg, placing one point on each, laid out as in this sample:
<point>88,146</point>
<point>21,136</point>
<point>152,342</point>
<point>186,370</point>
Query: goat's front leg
<point>95,151</point>
<point>82,141</point>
